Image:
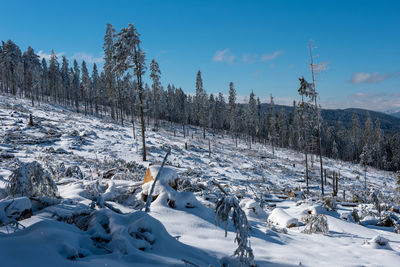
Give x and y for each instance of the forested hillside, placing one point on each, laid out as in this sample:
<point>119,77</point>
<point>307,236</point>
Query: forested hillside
<point>120,92</point>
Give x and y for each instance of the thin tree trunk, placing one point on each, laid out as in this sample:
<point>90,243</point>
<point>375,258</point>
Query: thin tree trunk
<point>318,126</point>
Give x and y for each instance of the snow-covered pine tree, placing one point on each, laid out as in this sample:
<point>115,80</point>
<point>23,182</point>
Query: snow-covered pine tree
<point>129,55</point>
<point>65,81</point>
<point>212,112</point>
<point>54,76</point>
<point>109,62</point>
<point>10,58</point>
<point>251,117</point>
<point>272,124</point>
<point>96,94</point>
<point>304,111</point>
<point>155,75</point>
<point>31,73</point>
<point>368,132</point>
<point>221,111</point>
<point>283,128</point>
<point>201,103</point>
<point>356,137</point>
<point>85,86</point>
<point>232,108</point>
<point>295,130</point>
<point>76,89</point>
<point>365,160</point>
<point>259,122</point>
<point>377,146</point>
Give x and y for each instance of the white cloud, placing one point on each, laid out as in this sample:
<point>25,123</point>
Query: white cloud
<point>89,58</point>
<point>253,58</point>
<point>267,57</point>
<point>42,55</point>
<point>366,77</point>
<point>224,56</point>
<point>250,58</point>
<point>372,101</point>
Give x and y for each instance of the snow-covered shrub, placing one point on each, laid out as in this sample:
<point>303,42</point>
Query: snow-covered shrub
<point>378,242</point>
<point>31,180</point>
<point>391,220</point>
<point>369,220</point>
<point>280,218</point>
<point>316,224</point>
<point>131,233</point>
<point>74,171</point>
<point>355,216</point>
<point>253,209</point>
<point>14,209</point>
<point>240,224</point>
<point>94,190</point>
<point>276,228</point>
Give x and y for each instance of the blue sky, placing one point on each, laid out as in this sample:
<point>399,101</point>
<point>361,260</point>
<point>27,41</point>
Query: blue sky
<point>259,45</point>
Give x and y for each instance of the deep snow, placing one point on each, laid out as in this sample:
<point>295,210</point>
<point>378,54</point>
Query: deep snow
<point>70,231</point>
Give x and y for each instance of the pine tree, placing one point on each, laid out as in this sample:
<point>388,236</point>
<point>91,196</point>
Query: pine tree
<point>251,117</point>
<point>76,85</point>
<point>272,124</point>
<point>365,159</point>
<point>65,80</point>
<point>31,72</point>
<point>85,86</point>
<point>377,147</point>
<point>96,93</point>
<point>109,64</point>
<point>295,132</point>
<point>44,78</point>
<point>155,75</point>
<point>231,105</point>
<point>356,137</point>
<point>304,108</point>
<point>368,132</point>
<point>283,129</point>
<point>10,58</point>
<point>54,76</point>
<point>128,54</point>
<point>221,111</point>
<point>201,103</point>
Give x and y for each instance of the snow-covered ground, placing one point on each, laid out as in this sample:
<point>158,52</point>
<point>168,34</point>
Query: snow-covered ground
<point>74,231</point>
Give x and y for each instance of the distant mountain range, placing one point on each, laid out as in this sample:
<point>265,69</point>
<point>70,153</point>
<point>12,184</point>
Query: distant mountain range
<point>389,123</point>
<point>396,114</point>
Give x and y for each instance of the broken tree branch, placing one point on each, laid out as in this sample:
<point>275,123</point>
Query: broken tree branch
<point>155,181</point>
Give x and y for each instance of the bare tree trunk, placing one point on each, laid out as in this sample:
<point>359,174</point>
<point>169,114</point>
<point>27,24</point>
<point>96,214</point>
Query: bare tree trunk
<point>142,122</point>
<point>318,126</point>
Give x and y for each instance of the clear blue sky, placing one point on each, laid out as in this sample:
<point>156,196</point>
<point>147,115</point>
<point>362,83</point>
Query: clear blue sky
<point>259,45</point>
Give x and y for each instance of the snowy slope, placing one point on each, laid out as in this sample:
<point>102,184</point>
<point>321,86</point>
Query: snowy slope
<point>110,161</point>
